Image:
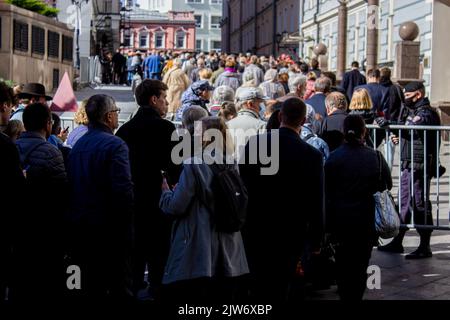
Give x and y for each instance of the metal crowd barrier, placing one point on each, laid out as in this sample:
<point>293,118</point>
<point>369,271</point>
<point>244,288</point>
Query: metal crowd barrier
<point>391,152</point>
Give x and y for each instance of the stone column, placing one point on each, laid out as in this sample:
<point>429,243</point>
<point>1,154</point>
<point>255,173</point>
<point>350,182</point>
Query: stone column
<point>342,39</point>
<point>372,34</point>
<point>407,55</point>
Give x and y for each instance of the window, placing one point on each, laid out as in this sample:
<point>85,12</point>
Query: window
<point>108,6</point>
<point>143,40</point>
<point>216,1</point>
<point>159,40</point>
<point>198,44</point>
<point>55,79</point>
<point>216,45</point>
<point>37,40</point>
<point>180,40</point>
<point>215,22</point>
<point>20,36</point>
<point>194,1</point>
<point>53,44</point>
<point>67,48</point>
<point>127,40</point>
<point>0,32</point>
<point>198,21</point>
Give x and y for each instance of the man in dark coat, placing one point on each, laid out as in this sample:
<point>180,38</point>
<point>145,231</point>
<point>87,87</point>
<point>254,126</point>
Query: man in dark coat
<point>119,63</point>
<point>352,79</point>
<point>100,208</point>
<point>332,128</point>
<point>148,137</point>
<point>39,234</point>
<point>378,93</point>
<point>396,96</point>
<point>416,112</point>
<point>10,187</point>
<point>276,230</point>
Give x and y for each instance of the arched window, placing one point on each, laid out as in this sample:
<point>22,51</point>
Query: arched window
<point>160,38</point>
<point>143,38</point>
<point>180,38</point>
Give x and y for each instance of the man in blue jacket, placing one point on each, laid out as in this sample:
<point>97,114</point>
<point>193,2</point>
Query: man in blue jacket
<point>100,207</point>
<point>153,66</point>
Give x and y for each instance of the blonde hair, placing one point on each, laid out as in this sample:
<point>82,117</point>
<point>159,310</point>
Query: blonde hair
<point>311,76</point>
<point>361,100</point>
<point>205,74</point>
<point>80,116</point>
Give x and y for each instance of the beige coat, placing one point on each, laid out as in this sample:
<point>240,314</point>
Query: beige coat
<point>178,82</point>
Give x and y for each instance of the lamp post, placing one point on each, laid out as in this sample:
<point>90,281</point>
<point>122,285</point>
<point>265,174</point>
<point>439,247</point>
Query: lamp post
<point>78,4</point>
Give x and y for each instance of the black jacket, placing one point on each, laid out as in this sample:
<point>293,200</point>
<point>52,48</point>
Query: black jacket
<point>351,80</point>
<point>286,208</point>
<point>10,187</point>
<point>148,137</point>
<point>352,177</point>
<point>332,129</point>
<point>421,115</point>
<point>396,99</point>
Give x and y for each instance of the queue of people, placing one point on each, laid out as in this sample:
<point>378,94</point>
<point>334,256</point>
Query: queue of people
<point>121,207</point>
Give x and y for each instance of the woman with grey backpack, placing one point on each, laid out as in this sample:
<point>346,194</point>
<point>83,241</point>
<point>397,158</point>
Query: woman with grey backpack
<point>205,260</point>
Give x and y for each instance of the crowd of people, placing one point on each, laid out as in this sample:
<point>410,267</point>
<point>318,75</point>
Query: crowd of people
<point>117,205</point>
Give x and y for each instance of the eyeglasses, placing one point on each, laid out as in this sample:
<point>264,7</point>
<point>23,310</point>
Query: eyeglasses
<point>116,110</point>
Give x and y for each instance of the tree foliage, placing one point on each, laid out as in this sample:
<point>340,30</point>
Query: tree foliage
<point>36,6</point>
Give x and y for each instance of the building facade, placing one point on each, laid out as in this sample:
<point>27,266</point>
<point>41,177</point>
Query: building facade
<point>34,48</point>
<point>153,30</point>
<point>99,22</point>
<point>207,14</point>
<point>258,26</point>
<point>319,23</point>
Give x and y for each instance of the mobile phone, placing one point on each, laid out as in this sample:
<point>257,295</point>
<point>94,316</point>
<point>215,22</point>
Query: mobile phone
<point>66,130</point>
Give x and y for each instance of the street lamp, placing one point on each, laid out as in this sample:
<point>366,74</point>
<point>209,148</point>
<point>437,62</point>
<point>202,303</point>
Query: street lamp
<point>78,4</point>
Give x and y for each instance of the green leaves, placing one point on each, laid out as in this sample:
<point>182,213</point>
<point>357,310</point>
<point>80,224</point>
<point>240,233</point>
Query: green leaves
<point>35,6</point>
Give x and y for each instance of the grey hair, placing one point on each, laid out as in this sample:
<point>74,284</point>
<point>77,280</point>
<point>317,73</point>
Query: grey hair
<point>98,106</point>
<point>271,75</point>
<point>222,94</point>
<point>296,81</point>
<point>192,114</point>
<point>178,62</point>
<point>322,84</point>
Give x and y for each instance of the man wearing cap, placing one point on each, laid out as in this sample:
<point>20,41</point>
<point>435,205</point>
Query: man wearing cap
<point>34,92</point>
<point>198,94</point>
<point>248,120</point>
<point>249,100</point>
<point>416,111</point>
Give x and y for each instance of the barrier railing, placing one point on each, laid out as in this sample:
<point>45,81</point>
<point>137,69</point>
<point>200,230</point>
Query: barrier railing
<point>429,171</point>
